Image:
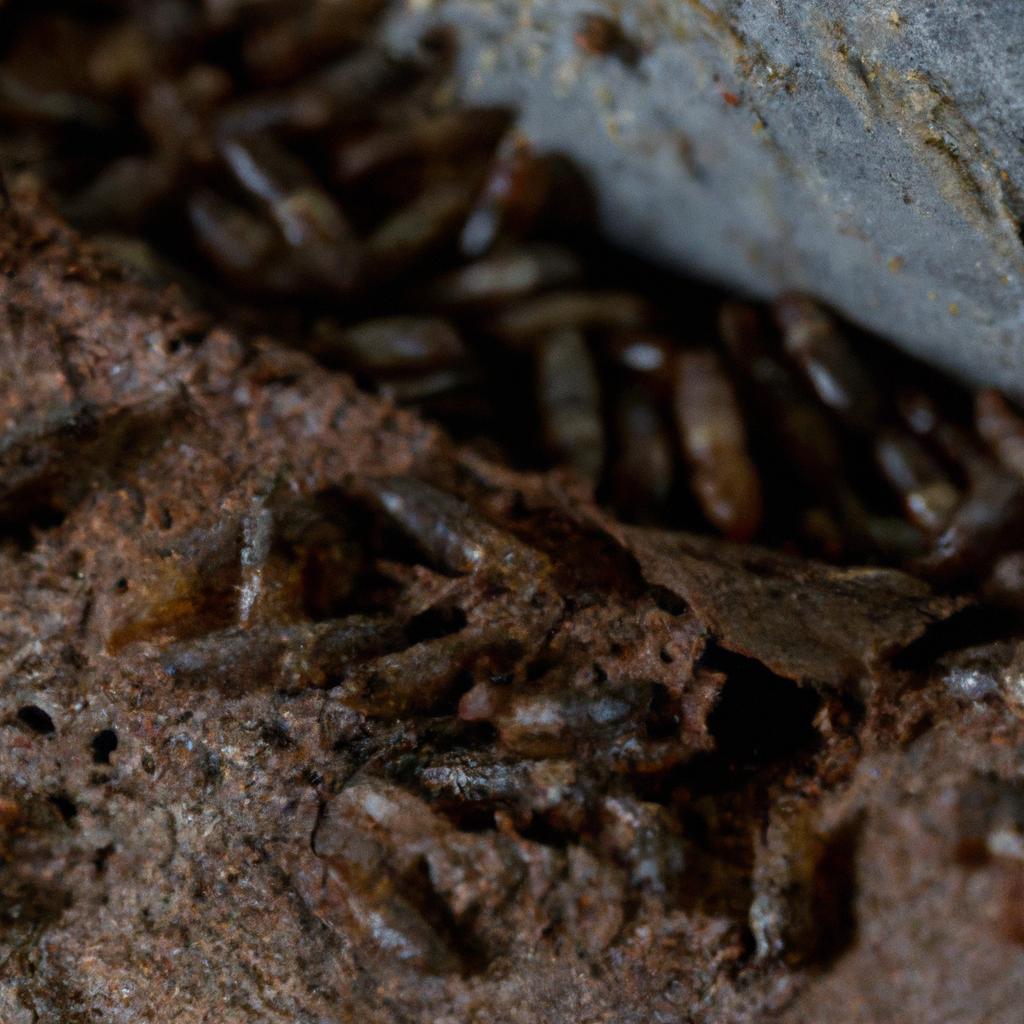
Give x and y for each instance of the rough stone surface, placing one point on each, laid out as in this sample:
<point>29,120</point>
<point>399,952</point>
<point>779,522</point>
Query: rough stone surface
<point>868,151</point>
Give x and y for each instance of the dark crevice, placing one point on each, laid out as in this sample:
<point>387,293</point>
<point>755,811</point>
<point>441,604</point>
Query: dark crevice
<point>760,718</point>
<point>36,719</point>
<point>974,626</point>
<point>763,729</point>
<point>101,856</point>
<point>64,806</point>
<point>1014,203</point>
<point>663,713</point>
<point>435,623</point>
<point>275,733</point>
<point>37,515</point>
<point>834,894</point>
<point>668,601</point>
<point>468,817</point>
<point>104,743</point>
<point>541,830</point>
<point>446,706</point>
<point>456,935</point>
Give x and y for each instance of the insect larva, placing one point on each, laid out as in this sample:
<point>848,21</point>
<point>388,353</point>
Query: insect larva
<point>512,198</point>
<point>714,441</point>
<point>506,276</point>
<point>448,134</point>
<point>402,345</point>
<point>311,222</point>
<point>1002,428</point>
<point>929,496</point>
<point>237,242</point>
<point>990,520</point>
<point>124,193</point>
<point>569,400</point>
<point>421,227</point>
<point>813,340</point>
<point>643,466</point>
<point>524,322</point>
<point>284,657</point>
<point>290,44</point>
<point>801,426</point>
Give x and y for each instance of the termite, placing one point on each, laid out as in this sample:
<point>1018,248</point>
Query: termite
<point>928,494</point>
<point>569,399</point>
<point>714,441</point>
<point>508,276</point>
<point>513,197</point>
<point>613,310</point>
<point>388,346</point>
<point>813,340</point>
<point>643,467</point>
<point>1002,428</point>
<point>309,219</point>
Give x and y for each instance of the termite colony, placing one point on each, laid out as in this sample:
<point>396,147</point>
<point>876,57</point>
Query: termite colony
<point>279,161</point>
<point>542,722</point>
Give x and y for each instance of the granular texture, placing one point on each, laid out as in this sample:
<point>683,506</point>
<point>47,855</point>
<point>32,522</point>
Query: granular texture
<point>309,714</point>
<point>313,713</point>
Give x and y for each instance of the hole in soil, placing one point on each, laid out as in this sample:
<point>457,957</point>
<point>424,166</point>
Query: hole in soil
<point>663,713</point>
<point>760,718</point>
<point>101,856</point>
<point>540,830</point>
<point>36,719</point>
<point>65,806</point>
<point>32,520</point>
<point>435,623</point>
<point>471,818</point>
<point>104,743</point>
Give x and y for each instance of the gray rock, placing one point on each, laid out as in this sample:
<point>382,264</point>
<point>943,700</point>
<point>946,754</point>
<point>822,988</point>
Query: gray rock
<point>869,152</point>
